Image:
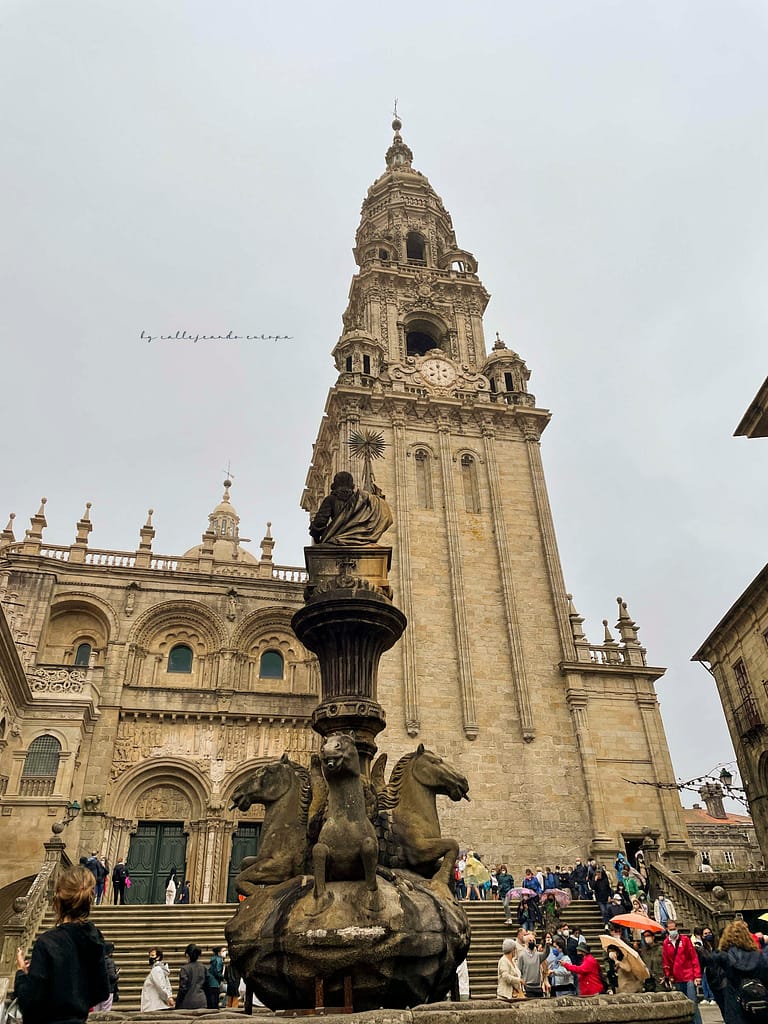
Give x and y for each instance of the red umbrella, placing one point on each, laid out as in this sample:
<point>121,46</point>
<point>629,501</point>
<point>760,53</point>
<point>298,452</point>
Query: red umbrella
<point>645,924</point>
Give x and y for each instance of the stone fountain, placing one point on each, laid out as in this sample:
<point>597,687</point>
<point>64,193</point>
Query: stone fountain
<point>348,900</point>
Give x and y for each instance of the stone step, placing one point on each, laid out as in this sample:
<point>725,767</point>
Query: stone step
<point>136,928</point>
<point>486,919</point>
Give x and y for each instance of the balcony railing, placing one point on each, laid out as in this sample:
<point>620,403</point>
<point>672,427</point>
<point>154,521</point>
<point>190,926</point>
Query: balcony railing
<point>748,718</point>
<point>36,787</point>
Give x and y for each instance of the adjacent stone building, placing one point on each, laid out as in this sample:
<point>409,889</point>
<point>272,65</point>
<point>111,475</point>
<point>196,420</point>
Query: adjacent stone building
<point>722,841</point>
<point>148,686</point>
<point>736,654</point>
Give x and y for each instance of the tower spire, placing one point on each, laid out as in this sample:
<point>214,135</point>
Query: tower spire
<point>399,156</point>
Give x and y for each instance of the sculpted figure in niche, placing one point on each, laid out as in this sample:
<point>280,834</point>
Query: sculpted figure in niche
<point>349,516</point>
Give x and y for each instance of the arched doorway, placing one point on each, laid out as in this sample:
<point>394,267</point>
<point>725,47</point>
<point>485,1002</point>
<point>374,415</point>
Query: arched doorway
<point>158,844</point>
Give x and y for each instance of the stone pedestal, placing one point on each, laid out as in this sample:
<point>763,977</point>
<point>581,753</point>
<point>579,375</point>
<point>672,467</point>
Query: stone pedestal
<point>401,955</point>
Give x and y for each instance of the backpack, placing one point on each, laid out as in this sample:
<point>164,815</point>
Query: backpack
<point>752,997</point>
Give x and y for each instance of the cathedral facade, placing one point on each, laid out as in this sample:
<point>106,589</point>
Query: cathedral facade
<point>147,687</point>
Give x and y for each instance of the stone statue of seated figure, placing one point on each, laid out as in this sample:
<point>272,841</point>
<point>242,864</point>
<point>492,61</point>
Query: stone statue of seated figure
<point>349,516</point>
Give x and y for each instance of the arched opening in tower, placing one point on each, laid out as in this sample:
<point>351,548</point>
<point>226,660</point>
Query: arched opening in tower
<point>419,343</point>
<point>415,249</point>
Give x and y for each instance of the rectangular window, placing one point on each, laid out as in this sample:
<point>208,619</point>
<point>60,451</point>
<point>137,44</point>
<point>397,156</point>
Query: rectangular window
<point>729,858</point>
<point>742,679</point>
<point>366,364</point>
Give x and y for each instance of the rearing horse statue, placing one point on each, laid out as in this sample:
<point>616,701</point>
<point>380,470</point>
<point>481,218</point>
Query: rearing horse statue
<point>408,810</point>
<point>347,849</point>
<point>284,788</point>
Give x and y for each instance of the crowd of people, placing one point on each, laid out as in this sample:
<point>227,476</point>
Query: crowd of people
<point>176,890</point>
<point>645,949</point>
<point>199,986</point>
<point>72,971</point>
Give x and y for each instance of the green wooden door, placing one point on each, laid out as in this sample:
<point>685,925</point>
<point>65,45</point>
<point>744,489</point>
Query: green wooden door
<point>155,848</point>
<point>245,843</point>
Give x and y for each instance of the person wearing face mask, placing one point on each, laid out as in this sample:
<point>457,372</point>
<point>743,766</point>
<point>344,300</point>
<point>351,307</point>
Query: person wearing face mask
<point>651,955</point>
<point>156,992</point>
<point>570,943</point>
<point>711,976</point>
<point>529,962</point>
<point>561,982</point>
<point>681,965</point>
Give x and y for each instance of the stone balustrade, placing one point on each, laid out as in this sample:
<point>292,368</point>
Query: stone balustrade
<point>692,907</point>
<point>28,912</point>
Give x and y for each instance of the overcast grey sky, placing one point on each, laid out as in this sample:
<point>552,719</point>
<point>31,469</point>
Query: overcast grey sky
<point>186,165</point>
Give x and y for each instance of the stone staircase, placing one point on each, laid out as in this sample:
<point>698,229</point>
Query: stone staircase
<point>136,929</point>
<point>489,931</point>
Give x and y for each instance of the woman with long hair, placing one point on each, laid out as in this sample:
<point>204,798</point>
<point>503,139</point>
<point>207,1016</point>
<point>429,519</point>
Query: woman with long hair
<point>67,974</point>
<point>738,961</point>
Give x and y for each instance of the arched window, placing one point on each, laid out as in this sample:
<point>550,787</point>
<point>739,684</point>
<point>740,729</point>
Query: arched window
<point>42,760</point>
<point>469,482</point>
<point>83,655</point>
<point>419,342</point>
<point>180,658</point>
<point>423,479</point>
<point>3,727</point>
<point>271,665</point>
<point>415,248</point>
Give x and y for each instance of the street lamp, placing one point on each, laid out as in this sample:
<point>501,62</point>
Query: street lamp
<point>726,778</point>
<point>71,811</point>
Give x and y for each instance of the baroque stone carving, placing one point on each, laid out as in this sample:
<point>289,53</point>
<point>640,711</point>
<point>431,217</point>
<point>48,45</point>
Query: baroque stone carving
<point>164,802</point>
<point>62,680</point>
<point>424,372</point>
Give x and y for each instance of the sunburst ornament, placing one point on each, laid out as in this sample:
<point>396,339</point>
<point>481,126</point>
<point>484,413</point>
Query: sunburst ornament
<point>367,445</point>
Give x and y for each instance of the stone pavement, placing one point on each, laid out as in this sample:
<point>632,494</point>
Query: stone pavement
<point>710,1014</point>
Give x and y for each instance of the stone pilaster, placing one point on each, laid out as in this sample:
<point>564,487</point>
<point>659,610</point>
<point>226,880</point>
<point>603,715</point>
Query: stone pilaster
<point>516,653</point>
<point>405,575</point>
<point>531,427</point>
<point>456,582</point>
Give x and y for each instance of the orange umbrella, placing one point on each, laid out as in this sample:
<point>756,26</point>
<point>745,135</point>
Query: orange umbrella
<point>645,924</point>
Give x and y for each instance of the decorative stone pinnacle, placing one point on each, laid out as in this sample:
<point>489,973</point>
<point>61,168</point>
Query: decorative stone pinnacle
<point>148,524</point>
<point>399,156</point>
<point>498,344</point>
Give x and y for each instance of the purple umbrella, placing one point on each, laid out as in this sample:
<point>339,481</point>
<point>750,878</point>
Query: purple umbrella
<point>517,894</point>
<point>562,896</point>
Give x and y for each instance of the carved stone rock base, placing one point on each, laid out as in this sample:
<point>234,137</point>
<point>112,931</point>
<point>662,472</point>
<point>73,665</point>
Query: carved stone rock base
<point>404,954</point>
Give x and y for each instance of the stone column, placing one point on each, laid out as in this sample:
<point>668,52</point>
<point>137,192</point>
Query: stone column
<point>603,842</point>
<point>456,582</point>
<point>677,854</point>
<point>531,427</point>
<point>408,648</point>
<point>516,653</point>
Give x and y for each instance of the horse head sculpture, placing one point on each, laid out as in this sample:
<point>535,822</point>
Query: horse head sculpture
<point>284,788</point>
<point>409,826</point>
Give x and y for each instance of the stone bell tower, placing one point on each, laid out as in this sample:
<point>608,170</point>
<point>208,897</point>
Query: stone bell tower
<point>494,670</point>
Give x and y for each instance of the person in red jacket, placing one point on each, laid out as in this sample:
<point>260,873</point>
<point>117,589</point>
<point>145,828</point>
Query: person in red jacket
<point>588,973</point>
<point>681,965</point>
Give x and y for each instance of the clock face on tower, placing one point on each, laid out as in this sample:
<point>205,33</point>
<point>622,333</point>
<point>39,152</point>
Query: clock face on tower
<point>438,372</point>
